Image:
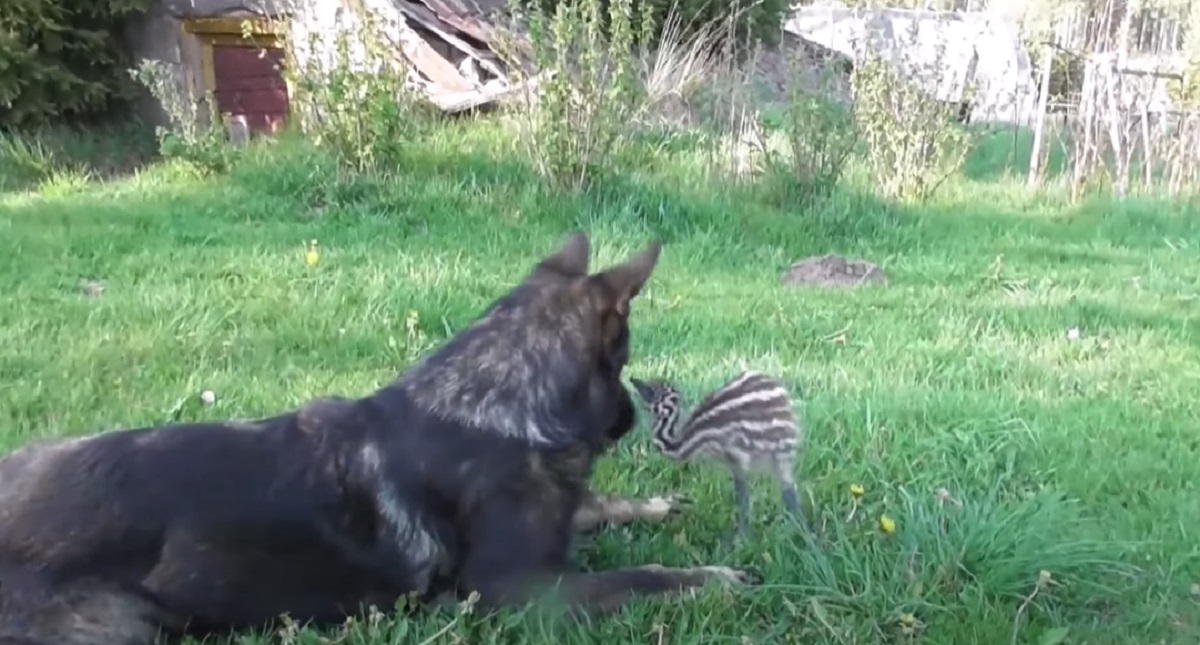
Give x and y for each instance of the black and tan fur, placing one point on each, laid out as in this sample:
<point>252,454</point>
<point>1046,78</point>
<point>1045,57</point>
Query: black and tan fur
<point>747,424</point>
<point>467,473</point>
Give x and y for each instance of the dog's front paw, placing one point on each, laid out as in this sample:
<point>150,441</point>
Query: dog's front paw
<point>734,577</point>
<point>665,506</point>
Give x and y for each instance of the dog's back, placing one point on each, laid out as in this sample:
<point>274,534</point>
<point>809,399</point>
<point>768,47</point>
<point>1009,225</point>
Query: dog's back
<point>267,511</point>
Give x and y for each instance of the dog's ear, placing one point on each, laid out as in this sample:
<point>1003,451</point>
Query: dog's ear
<point>624,281</point>
<point>571,259</point>
<point>643,389</point>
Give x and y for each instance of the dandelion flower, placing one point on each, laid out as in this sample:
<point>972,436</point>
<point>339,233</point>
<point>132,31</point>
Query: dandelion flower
<point>908,619</point>
<point>887,524</point>
<point>856,490</point>
<point>311,256</point>
<point>207,397</point>
<point>1044,577</point>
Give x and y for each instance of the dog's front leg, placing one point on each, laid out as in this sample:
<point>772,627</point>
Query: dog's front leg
<point>597,509</point>
<point>521,553</point>
<point>604,592</point>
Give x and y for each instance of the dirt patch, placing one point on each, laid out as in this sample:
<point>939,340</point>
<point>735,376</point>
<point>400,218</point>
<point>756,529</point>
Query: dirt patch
<point>833,271</point>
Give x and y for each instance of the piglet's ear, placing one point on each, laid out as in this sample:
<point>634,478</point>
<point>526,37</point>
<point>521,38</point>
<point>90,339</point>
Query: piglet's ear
<point>571,259</point>
<point>625,281</point>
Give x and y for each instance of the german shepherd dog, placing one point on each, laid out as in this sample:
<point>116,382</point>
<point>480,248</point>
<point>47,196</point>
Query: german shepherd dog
<point>467,473</point>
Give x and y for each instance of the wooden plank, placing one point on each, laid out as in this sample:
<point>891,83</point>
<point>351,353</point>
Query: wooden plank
<point>233,40</point>
<point>452,103</point>
<point>249,85</point>
<point>432,64</point>
<point>427,19</point>
<point>255,100</point>
<point>261,82</point>
<point>419,53</point>
<point>1035,155</point>
<point>245,68</point>
<point>253,57</point>
<point>466,19</point>
<point>230,26</point>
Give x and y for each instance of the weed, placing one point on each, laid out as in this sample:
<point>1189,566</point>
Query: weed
<point>194,137</point>
<point>912,140</point>
<point>351,91</point>
<point>819,136</point>
<point>576,126</point>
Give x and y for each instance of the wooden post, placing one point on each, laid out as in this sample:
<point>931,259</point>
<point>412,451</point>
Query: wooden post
<point>1039,127</point>
<point>1112,96</point>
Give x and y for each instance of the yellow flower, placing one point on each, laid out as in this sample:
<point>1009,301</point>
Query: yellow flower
<point>908,620</point>
<point>856,490</point>
<point>887,524</point>
<point>311,255</point>
<point>1044,577</point>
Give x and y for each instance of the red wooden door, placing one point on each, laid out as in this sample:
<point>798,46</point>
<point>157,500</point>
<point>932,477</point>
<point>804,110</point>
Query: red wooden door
<point>249,84</point>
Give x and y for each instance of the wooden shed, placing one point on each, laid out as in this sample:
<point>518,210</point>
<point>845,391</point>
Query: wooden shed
<point>244,71</point>
<point>228,50</point>
<point>231,51</point>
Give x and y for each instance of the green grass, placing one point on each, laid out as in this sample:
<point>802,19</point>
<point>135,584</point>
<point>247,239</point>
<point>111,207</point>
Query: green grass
<point>1077,457</point>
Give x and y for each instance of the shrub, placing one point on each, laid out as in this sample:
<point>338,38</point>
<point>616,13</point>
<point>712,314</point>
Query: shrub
<point>198,141</point>
<point>575,123</point>
<point>61,59</point>
<point>359,107</point>
<point>818,134</point>
<point>752,20</point>
<point>913,142</point>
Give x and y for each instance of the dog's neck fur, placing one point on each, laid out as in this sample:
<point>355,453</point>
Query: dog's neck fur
<point>491,378</point>
<point>543,364</point>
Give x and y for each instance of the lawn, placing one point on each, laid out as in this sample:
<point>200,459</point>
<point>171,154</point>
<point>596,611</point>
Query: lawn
<point>1000,446</point>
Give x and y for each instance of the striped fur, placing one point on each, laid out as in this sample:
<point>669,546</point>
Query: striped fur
<point>748,424</point>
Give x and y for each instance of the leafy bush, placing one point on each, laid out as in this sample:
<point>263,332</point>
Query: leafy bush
<point>913,142</point>
<point>61,59</point>
<point>574,126</point>
<point>198,141</point>
<point>1066,70</point>
<point>752,20</point>
<point>819,136</point>
<point>360,107</point>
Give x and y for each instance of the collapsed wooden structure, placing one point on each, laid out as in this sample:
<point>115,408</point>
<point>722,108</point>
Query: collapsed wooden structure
<point>458,52</point>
